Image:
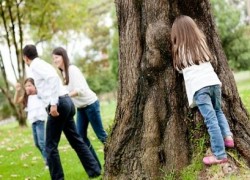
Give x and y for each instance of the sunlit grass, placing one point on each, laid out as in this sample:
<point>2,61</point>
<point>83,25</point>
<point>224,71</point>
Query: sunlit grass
<point>243,85</point>
<point>20,159</point>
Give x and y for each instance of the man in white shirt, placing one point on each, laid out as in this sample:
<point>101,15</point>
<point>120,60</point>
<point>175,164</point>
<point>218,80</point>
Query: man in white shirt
<point>61,111</point>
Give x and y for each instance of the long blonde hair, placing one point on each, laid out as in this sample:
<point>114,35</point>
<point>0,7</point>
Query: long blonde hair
<point>189,45</point>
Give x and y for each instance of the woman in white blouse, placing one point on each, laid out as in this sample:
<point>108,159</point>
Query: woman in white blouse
<point>86,101</point>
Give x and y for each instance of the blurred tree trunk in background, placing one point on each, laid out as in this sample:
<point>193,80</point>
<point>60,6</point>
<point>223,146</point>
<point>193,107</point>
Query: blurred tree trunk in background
<point>13,35</point>
<point>155,132</point>
<point>248,11</point>
<point>36,22</point>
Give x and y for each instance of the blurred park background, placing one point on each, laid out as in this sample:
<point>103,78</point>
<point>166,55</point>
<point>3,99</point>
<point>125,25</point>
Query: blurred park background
<point>88,31</point>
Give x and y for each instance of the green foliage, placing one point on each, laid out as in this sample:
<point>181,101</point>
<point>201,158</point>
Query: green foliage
<point>238,51</point>
<point>103,48</point>
<point>113,51</point>
<point>113,56</point>
<point>5,111</point>
<point>243,84</point>
<point>54,17</point>
<point>170,176</point>
<point>100,63</point>
<point>98,74</point>
<point>191,172</point>
<point>102,82</point>
<point>54,22</point>
<point>233,33</point>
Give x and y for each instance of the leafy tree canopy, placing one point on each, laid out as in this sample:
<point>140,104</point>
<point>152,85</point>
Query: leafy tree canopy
<point>233,32</point>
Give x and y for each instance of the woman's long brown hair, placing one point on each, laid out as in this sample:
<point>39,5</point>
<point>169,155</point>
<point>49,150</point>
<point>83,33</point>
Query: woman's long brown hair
<point>62,52</point>
<point>189,45</point>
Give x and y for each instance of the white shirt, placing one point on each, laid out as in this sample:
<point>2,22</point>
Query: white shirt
<point>36,110</point>
<point>197,77</point>
<point>78,83</point>
<point>48,84</point>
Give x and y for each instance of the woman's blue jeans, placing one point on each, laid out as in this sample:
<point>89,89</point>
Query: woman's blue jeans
<point>91,114</point>
<point>39,136</point>
<point>208,100</point>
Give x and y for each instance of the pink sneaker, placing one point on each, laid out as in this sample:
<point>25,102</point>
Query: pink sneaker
<point>229,143</point>
<point>210,160</point>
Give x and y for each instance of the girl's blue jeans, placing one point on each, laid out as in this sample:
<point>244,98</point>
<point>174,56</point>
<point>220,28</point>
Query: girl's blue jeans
<point>208,100</point>
<point>39,136</point>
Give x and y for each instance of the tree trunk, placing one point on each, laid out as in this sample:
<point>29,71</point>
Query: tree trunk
<point>155,131</point>
<point>21,116</point>
<point>18,111</point>
<point>13,34</point>
<point>248,12</point>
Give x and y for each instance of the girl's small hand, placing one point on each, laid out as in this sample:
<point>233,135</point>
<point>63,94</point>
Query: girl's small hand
<point>18,87</point>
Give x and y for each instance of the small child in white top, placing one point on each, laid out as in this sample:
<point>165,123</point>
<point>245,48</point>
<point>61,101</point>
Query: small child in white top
<point>192,56</point>
<point>36,113</point>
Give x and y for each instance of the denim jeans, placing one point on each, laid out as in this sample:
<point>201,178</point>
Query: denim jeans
<point>91,113</point>
<point>39,137</point>
<point>65,122</point>
<point>208,100</point>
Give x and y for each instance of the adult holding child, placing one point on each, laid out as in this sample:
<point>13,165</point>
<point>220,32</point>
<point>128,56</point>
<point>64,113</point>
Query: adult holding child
<point>86,101</point>
<point>60,119</point>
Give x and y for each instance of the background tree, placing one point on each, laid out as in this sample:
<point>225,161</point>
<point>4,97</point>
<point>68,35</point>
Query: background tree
<point>233,32</point>
<point>11,19</point>
<point>100,62</point>
<point>155,132</point>
<point>5,109</point>
<point>248,12</point>
<point>113,50</point>
<point>44,20</point>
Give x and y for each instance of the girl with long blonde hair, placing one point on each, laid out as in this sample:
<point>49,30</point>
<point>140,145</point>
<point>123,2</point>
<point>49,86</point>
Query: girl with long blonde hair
<point>191,56</point>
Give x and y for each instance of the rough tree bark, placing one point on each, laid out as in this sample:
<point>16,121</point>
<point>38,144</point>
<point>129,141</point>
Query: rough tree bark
<point>154,128</point>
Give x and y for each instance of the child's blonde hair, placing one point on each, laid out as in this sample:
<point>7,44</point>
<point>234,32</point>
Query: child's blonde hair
<point>189,45</point>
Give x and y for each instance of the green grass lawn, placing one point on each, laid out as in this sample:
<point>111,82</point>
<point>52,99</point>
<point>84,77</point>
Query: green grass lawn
<point>243,84</point>
<point>20,159</point>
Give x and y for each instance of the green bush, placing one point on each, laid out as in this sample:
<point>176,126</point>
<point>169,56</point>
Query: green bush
<point>5,111</point>
<point>233,33</point>
<point>102,82</point>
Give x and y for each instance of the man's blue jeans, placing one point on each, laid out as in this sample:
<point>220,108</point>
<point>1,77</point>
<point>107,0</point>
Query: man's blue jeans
<point>65,123</point>
<point>39,136</point>
<point>208,100</point>
<point>91,113</point>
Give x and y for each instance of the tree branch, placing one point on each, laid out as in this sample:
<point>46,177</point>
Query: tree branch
<point>14,37</point>
<point>7,37</point>
<point>22,69</point>
<point>3,71</point>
